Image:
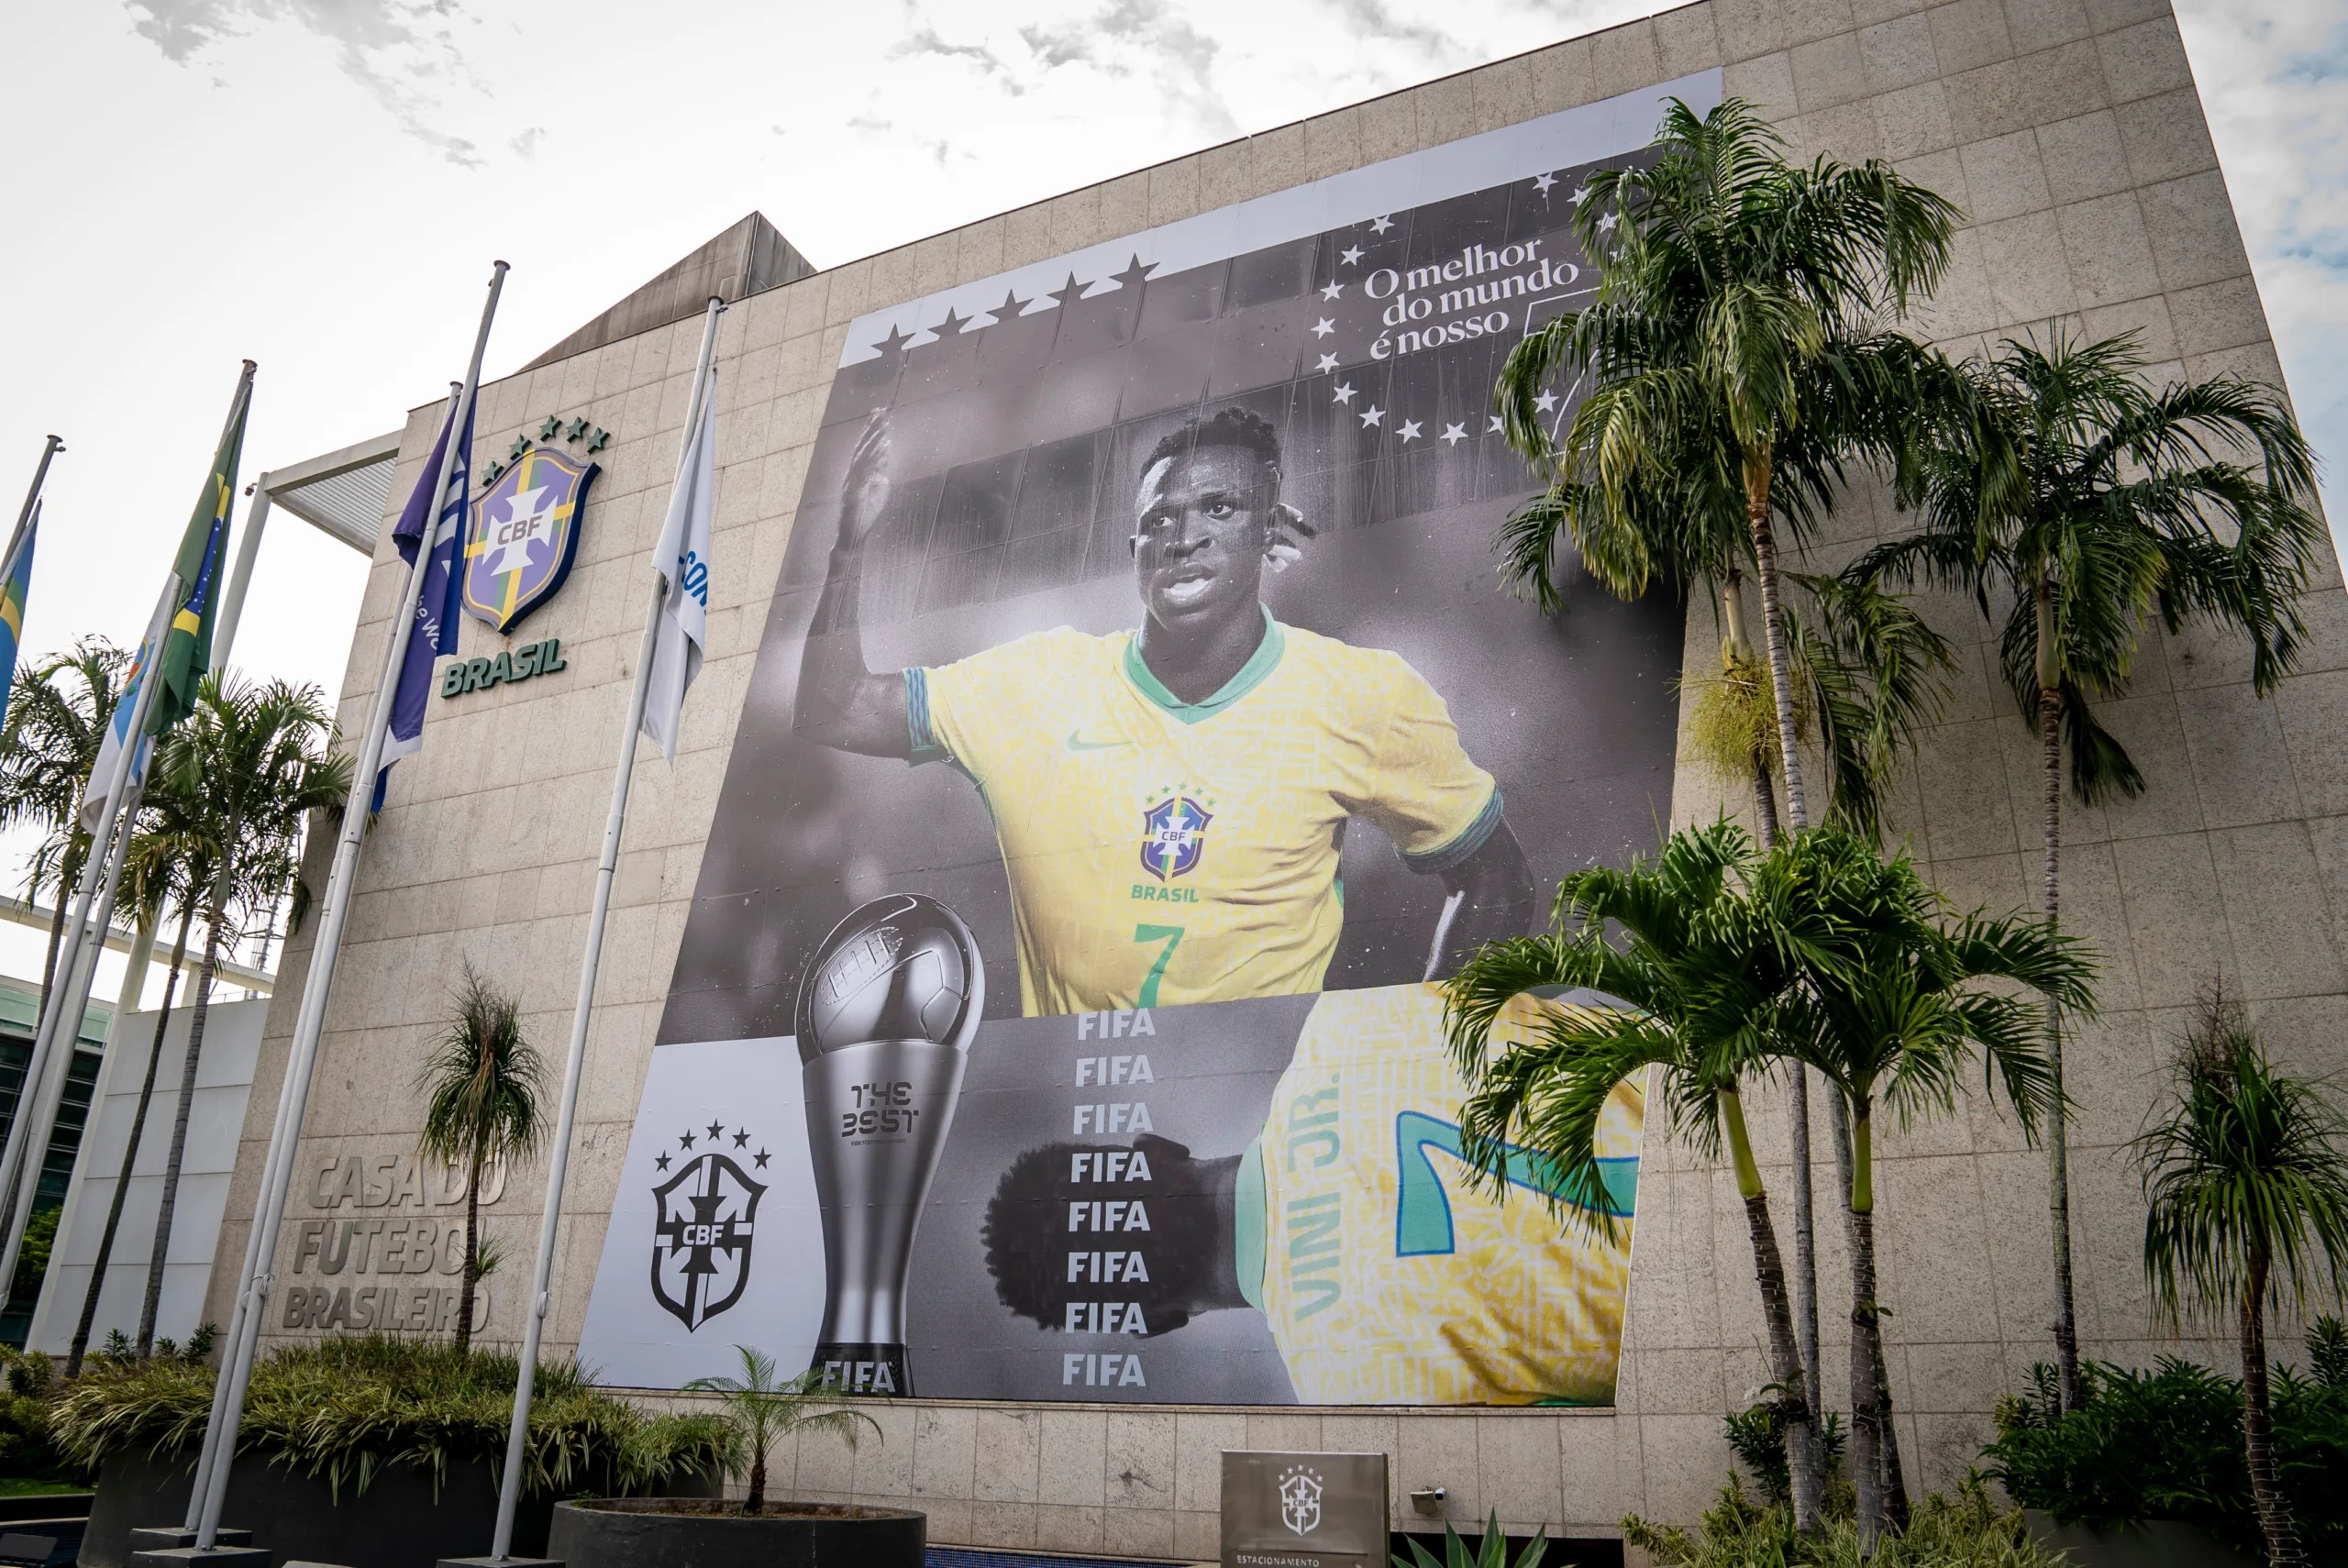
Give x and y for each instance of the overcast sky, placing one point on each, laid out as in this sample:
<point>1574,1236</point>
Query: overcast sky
<point>320,185</point>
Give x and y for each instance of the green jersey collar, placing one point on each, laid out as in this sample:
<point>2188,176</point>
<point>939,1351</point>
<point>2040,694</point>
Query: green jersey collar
<point>1259,666</point>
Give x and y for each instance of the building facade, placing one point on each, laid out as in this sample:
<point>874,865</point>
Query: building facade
<point>2069,132</point>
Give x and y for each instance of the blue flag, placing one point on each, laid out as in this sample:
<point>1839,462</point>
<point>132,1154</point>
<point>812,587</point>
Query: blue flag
<point>434,631</point>
<point>18,580</point>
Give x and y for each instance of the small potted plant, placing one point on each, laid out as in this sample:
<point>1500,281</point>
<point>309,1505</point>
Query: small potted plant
<point>760,1410</point>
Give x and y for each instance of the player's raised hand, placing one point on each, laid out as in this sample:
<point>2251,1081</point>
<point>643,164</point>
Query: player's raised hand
<point>864,494</point>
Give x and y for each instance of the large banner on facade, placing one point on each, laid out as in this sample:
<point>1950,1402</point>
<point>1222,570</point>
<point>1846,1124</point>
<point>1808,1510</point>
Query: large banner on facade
<point>1139,734</point>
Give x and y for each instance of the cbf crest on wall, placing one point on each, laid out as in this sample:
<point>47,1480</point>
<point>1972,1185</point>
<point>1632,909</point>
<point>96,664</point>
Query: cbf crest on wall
<point>525,534</point>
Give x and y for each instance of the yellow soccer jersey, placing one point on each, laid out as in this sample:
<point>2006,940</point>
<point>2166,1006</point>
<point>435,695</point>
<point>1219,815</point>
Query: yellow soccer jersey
<point>1384,1277</point>
<point>1163,853</point>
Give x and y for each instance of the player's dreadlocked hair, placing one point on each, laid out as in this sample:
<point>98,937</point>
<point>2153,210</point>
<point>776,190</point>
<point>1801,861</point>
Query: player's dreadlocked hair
<point>1233,426</point>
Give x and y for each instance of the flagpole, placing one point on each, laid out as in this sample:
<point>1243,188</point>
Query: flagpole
<point>509,1486</point>
<point>51,1095</point>
<point>94,870</point>
<point>269,1208</point>
<point>50,447</point>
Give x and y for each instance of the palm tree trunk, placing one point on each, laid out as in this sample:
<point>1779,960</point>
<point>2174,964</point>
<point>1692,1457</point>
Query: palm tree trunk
<point>472,1257</point>
<point>129,1156</point>
<point>1805,1456</point>
<point>1895,1480</point>
<point>756,1498</point>
<point>2274,1522</point>
<point>2058,1149</point>
<point>1869,1430</point>
<point>1773,631</point>
<point>1735,646</point>
<point>69,873</point>
<point>213,915</point>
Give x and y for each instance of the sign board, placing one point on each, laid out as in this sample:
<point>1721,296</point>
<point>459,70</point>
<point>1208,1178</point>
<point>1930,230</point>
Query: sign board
<point>1303,1510</point>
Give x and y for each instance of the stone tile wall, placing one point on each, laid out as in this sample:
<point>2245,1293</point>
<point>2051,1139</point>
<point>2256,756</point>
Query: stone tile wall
<point>2070,132</point>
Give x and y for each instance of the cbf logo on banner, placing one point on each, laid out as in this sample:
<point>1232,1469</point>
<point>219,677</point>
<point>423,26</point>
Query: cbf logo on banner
<point>525,534</point>
<point>701,1247</point>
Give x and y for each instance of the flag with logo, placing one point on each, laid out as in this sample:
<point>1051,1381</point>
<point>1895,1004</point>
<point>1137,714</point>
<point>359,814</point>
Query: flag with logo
<point>433,631</point>
<point>682,557</point>
<point>178,645</point>
<point>16,579</point>
<point>186,651</point>
<point>117,740</point>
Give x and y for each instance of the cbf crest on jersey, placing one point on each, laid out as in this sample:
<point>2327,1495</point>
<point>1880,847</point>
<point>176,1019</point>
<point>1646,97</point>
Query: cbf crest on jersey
<point>707,1212</point>
<point>525,534</point>
<point>1173,836</point>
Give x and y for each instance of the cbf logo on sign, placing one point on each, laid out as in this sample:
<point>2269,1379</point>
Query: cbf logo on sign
<point>525,534</point>
<point>1173,836</point>
<point>700,1246</point>
<point>1301,1499</point>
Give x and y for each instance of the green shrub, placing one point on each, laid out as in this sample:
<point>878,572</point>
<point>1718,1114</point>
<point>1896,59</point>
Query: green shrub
<point>2167,1444</point>
<point>28,1448</point>
<point>344,1408</point>
<point>1965,1533</point>
<point>1757,1438</point>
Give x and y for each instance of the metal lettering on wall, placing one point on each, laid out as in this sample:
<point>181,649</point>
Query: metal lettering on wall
<point>400,1270</point>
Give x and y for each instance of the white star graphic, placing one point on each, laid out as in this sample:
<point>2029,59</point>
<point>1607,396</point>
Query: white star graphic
<point>1328,362</point>
<point>1543,183</point>
<point>1350,255</point>
<point>1410,431</point>
<point>1545,401</point>
<point>1452,434</point>
<point>1322,328</point>
<point>1606,223</point>
<point>524,520</point>
<point>1345,391</point>
<point>1380,224</point>
<point>1495,425</point>
<point>1582,194</point>
<point>1371,415</point>
<point>1333,290</point>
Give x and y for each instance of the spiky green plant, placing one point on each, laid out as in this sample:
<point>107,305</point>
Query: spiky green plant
<point>484,1087</point>
<point>2245,1178</point>
<point>344,1409</point>
<point>1490,1549</point>
<point>762,1409</point>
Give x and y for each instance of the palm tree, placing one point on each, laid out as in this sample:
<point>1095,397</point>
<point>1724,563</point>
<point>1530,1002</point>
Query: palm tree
<point>482,1084</point>
<point>1733,352</point>
<point>2088,500</point>
<point>761,1411</point>
<point>1735,363</point>
<point>58,715</point>
<point>2246,1193</point>
<point>248,766</point>
<point>1890,1007</point>
<point>1707,969</point>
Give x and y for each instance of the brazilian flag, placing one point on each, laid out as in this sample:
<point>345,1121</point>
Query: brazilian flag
<point>204,551</point>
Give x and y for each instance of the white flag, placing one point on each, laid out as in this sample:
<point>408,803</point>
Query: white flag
<point>117,736</point>
<point>683,558</point>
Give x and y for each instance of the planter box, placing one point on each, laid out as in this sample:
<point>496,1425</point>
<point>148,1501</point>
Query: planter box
<point>678,1532</point>
<point>2152,1544</point>
<point>397,1522</point>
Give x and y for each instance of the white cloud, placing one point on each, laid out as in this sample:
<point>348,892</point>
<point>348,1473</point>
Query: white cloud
<point>2274,78</point>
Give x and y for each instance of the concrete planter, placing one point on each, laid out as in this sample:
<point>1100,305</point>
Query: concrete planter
<point>397,1522</point>
<point>690,1533</point>
<point>2151,1543</point>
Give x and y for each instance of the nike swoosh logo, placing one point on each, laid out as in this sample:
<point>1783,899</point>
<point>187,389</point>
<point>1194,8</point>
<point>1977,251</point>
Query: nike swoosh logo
<point>1074,741</point>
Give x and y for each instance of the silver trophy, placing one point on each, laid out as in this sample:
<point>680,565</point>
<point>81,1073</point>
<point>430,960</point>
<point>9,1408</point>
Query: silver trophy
<point>887,1010</point>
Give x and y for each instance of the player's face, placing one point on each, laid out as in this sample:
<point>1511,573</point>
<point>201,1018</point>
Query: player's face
<point>1199,528</point>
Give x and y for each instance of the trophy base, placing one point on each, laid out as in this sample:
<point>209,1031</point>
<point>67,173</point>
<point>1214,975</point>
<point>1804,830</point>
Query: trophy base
<point>863,1368</point>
